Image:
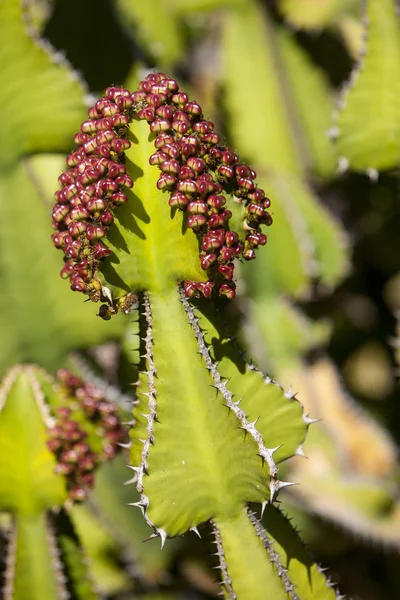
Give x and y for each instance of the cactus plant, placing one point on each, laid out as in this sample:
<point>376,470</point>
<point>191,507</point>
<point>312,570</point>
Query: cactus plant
<point>199,403</point>
<point>159,220</point>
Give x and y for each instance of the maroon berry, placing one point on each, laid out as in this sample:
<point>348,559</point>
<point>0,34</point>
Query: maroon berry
<point>76,228</point>
<point>197,164</point>
<point>124,181</point>
<point>178,199</point>
<point>170,166</point>
<point>118,198</point>
<point>226,271</point>
<point>186,173</point>
<point>95,232</point>
<point>228,290</point>
<point>187,186</point>
<point>158,158</point>
<point>171,149</point>
<point>207,260</point>
<point>196,221</point>
<point>101,251</point>
<point>197,207</point>
<point>166,182</point>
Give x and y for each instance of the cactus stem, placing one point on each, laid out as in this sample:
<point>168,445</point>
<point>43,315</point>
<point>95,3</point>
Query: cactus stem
<point>226,582</point>
<point>273,556</point>
<point>248,427</point>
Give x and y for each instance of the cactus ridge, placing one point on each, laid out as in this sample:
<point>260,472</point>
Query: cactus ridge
<point>273,556</point>
<point>9,571</point>
<point>151,417</point>
<point>226,581</point>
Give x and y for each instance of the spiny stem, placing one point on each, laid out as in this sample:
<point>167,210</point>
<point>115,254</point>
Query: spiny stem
<point>10,561</point>
<point>226,582</point>
<point>282,572</point>
<point>56,559</point>
<point>151,416</point>
<point>264,452</point>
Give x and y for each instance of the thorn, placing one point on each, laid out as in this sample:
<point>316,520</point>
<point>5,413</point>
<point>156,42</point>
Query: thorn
<point>373,174</point>
<point>131,481</point>
<point>276,486</point>
<point>137,505</point>
<point>333,133</point>
<point>196,531</point>
<point>254,423</point>
<point>300,452</point>
<point>289,393</point>
<point>263,506</point>
<point>163,536</point>
<point>136,469</point>
<point>308,421</point>
<point>124,445</point>
<point>343,165</point>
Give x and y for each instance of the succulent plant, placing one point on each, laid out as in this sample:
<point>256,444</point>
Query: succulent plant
<point>209,428</point>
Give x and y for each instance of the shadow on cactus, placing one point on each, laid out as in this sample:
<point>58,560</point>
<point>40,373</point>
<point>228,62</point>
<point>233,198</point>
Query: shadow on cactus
<point>152,213</point>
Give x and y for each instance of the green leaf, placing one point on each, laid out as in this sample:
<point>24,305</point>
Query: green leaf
<point>369,122</point>
<point>41,100</point>
<point>28,484</point>
<point>40,320</point>
<point>152,251</point>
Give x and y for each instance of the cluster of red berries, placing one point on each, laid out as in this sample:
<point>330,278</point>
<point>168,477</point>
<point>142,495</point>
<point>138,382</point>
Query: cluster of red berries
<point>91,189</point>
<point>69,441</point>
<point>195,169</point>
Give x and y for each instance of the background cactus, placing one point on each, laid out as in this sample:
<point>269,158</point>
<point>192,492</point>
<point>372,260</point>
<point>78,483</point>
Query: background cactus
<point>277,93</point>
